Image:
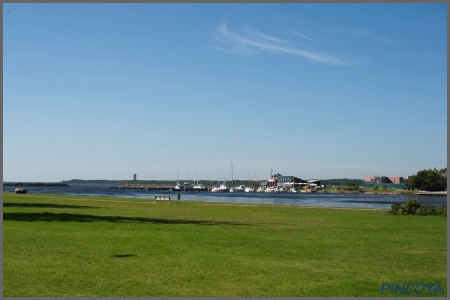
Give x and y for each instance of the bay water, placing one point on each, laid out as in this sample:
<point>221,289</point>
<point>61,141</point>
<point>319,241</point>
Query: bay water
<point>377,201</point>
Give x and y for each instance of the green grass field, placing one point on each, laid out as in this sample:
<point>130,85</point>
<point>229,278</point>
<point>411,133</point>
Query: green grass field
<point>61,245</point>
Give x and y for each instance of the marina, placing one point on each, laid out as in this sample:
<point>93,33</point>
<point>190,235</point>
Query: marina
<point>149,187</point>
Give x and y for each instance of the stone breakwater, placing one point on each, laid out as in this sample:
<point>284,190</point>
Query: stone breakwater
<point>34,184</point>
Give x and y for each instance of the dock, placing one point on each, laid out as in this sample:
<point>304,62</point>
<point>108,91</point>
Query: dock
<point>444,193</point>
<point>31,184</point>
<point>159,187</point>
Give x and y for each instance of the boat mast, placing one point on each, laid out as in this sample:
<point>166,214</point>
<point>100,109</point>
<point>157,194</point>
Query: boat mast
<point>232,182</point>
<point>196,169</point>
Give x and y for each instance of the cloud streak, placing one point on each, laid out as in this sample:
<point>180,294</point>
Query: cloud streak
<point>251,41</point>
<point>366,33</point>
<point>301,35</point>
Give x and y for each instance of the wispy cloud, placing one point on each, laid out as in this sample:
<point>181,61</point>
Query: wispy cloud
<point>367,33</point>
<point>301,35</point>
<point>251,40</point>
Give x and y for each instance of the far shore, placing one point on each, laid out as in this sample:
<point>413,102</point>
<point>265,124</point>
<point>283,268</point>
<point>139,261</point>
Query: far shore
<point>371,192</point>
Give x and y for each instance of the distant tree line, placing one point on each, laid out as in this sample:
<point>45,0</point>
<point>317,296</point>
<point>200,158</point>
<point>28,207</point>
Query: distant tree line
<point>428,179</point>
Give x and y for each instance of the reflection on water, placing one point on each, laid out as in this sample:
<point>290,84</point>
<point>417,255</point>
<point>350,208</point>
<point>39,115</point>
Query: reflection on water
<point>303,199</point>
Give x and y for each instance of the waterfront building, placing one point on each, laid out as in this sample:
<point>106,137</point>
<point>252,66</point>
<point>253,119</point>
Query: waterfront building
<point>278,180</point>
<point>390,181</point>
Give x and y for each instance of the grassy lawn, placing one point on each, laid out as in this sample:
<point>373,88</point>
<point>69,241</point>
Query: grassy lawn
<point>61,245</point>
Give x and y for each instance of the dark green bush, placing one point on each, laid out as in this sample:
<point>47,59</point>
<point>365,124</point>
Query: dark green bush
<point>442,210</point>
<point>410,207</point>
<point>413,207</point>
<point>426,210</point>
<point>395,208</point>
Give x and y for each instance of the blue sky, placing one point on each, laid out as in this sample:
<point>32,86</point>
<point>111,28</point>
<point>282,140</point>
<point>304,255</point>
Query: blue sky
<point>103,91</point>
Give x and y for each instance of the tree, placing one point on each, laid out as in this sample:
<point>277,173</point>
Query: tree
<point>442,177</point>
<point>428,178</point>
<point>410,183</point>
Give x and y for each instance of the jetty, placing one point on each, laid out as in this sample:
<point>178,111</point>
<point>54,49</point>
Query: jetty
<point>430,193</point>
<point>158,187</point>
<point>35,184</point>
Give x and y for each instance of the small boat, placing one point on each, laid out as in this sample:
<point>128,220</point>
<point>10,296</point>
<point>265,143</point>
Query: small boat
<point>178,186</point>
<point>271,190</point>
<point>20,191</point>
<point>240,188</point>
<point>232,190</point>
<point>223,186</point>
<point>198,187</point>
<point>249,189</point>
<point>259,190</point>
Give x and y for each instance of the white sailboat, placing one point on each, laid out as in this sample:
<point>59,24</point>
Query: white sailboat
<point>271,189</point>
<point>220,188</point>
<point>196,185</point>
<point>260,189</point>
<point>249,189</point>
<point>178,186</point>
<point>240,188</point>
<point>293,189</point>
<point>232,189</point>
<point>223,186</point>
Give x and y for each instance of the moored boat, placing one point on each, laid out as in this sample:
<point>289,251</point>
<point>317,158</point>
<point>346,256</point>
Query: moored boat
<point>270,190</point>
<point>20,191</point>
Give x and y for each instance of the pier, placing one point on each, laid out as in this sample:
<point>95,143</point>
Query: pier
<point>429,193</point>
<point>34,184</point>
<point>159,187</point>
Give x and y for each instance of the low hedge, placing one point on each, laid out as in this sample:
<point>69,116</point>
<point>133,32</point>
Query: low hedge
<point>413,207</point>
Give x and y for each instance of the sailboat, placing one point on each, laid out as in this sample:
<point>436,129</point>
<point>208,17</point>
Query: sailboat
<point>196,185</point>
<point>240,188</point>
<point>249,188</point>
<point>292,188</point>
<point>232,190</point>
<point>223,186</point>
<point>178,186</point>
<point>271,189</point>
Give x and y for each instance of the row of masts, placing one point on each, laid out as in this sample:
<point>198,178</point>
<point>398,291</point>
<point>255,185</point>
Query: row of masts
<point>178,185</point>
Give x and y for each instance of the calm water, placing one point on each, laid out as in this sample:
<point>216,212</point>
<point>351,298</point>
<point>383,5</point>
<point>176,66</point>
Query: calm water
<point>306,199</point>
